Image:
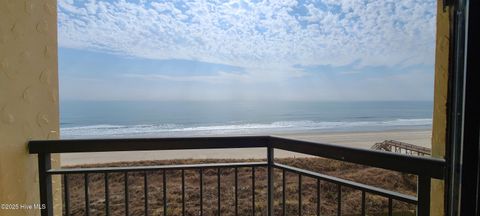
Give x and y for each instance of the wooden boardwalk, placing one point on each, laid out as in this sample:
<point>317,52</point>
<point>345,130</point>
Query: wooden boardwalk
<point>402,147</point>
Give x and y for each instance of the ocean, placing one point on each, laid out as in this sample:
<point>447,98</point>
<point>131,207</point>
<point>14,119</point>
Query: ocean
<point>111,119</point>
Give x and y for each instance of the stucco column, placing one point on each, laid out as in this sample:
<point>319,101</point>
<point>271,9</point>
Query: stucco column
<point>28,97</point>
<point>442,52</point>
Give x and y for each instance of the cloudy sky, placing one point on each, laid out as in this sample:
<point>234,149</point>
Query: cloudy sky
<point>246,49</point>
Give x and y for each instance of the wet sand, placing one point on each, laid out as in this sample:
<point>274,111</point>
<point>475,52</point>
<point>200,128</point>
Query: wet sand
<point>351,139</point>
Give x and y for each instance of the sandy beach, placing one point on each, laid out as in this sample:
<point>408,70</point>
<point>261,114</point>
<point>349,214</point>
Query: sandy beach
<point>352,139</point>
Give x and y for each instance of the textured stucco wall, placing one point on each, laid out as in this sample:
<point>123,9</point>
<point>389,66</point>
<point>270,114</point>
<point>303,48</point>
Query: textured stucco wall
<point>440,101</point>
<point>28,95</point>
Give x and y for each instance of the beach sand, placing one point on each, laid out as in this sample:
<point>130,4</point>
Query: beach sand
<point>351,139</point>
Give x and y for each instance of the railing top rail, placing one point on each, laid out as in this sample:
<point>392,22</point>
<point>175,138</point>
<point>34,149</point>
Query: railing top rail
<point>432,167</point>
<point>145,144</point>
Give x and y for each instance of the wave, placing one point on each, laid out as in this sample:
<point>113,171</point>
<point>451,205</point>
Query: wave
<point>106,130</point>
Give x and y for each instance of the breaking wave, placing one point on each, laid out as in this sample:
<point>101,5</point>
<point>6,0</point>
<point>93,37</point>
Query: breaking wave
<point>106,130</point>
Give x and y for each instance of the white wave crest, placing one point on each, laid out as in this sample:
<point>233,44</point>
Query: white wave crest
<point>105,130</point>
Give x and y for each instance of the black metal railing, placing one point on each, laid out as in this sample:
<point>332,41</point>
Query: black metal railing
<point>145,170</point>
<point>424,168</point>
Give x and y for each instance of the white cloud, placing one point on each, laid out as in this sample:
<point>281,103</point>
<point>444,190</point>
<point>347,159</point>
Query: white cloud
<point>253,75</point>
<point>265,37</point>
<point>221,77</point>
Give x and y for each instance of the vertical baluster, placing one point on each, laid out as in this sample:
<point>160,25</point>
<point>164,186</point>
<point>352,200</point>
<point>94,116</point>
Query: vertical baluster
<point>126,193</point>
<point>107,195</point>
<point>253,190</point>
<point>218,192</point>
<point>390,207</point>
<point>236,191</point>
<point>284,210</point>
<point>145,191</point>
<point>66,194</point>
<point>164,193</point>
<point>363,204</point>
<point>299,194</point>
<point>201,191</point>
<point>339,200</point>
<point>87,201</point>
<point>270,181</point>
<point>183,192</point>
<point>45,182</point>
<point>318,197</point>
<point>423,193</point>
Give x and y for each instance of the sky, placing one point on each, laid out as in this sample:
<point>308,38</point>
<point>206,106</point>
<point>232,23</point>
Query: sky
<point>305,50</point>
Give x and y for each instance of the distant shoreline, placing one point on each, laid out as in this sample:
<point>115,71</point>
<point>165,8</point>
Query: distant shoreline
<point>358,139</point>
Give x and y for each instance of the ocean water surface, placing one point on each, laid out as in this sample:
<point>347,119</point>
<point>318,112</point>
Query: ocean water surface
<point>90,119</point>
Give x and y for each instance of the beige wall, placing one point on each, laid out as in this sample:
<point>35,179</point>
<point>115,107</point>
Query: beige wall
<point>28,95</point>
<point>440,101</point>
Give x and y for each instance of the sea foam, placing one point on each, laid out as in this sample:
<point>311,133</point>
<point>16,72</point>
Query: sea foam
<point>106,130</point>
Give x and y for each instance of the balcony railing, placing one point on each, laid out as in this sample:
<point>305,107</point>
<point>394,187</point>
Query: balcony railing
<point>424,168</point>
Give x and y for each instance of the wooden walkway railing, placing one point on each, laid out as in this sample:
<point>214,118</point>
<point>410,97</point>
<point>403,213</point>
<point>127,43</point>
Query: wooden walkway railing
<point>402,147</point>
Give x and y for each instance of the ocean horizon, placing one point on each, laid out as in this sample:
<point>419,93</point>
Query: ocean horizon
<point>110,119</point>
